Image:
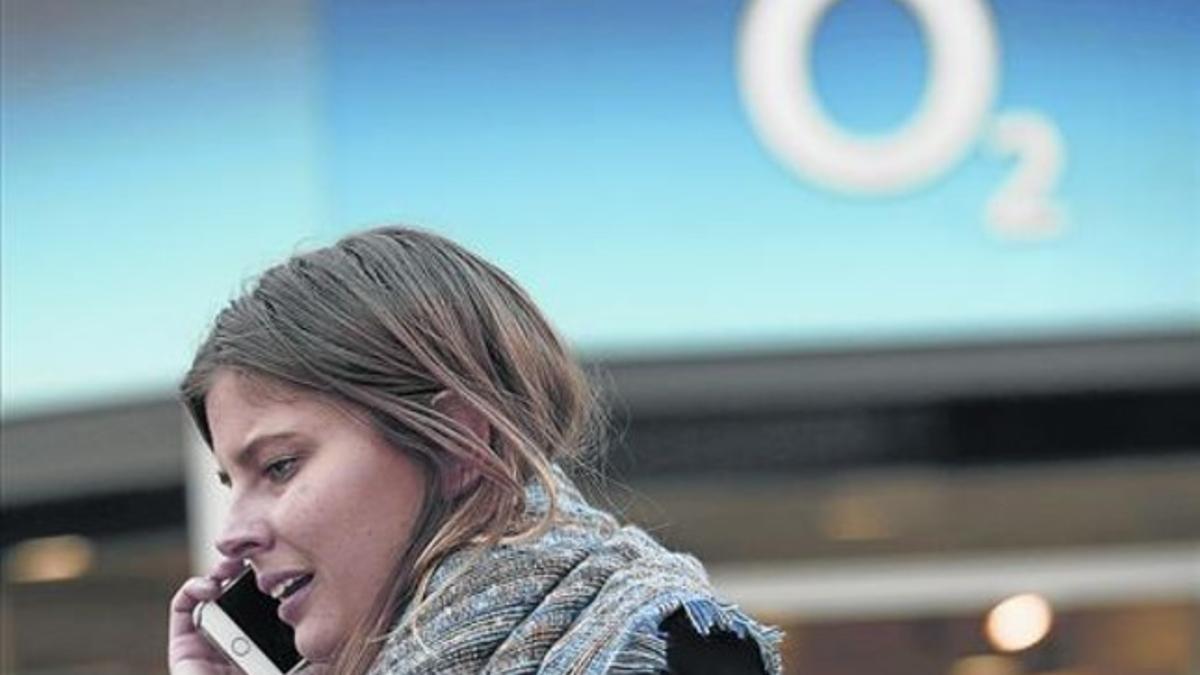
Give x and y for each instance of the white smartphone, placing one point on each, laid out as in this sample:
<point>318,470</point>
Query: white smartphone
<point>243,624</point>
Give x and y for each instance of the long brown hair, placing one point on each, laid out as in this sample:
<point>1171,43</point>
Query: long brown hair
<point>381,322</point>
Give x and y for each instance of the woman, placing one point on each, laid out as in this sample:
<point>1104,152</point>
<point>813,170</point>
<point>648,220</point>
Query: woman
<point>393,416</point>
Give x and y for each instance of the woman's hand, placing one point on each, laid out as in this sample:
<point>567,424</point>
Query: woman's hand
<point>188,652</point>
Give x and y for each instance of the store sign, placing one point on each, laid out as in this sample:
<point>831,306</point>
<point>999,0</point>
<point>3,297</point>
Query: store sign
<point>954,113</point>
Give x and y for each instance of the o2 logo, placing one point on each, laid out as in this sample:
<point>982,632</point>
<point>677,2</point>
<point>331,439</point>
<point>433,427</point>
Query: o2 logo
<point>953,114</point>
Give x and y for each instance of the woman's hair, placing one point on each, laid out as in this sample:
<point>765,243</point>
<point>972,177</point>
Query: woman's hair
<point>383,321</point>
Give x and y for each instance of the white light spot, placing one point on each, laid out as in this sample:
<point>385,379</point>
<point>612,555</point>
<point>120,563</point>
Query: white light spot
<point>1018,622</point>
<point>49,559</point>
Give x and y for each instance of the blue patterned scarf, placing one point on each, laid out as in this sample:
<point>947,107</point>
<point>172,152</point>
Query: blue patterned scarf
<point>586,597</point>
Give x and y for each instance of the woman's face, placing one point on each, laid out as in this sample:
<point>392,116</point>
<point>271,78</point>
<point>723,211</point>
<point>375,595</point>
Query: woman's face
<point>322,506</point>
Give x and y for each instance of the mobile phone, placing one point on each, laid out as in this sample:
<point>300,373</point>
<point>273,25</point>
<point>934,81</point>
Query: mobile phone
<point>243,624</point>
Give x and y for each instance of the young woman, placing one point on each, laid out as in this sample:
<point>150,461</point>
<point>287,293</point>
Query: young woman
<point>395,420</point>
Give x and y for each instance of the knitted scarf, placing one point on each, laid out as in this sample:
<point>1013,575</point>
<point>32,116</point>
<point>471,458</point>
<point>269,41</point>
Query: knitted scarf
<point>585,598</point>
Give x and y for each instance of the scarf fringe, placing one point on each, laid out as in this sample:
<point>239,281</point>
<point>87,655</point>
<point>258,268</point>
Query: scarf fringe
<point>646,645</point>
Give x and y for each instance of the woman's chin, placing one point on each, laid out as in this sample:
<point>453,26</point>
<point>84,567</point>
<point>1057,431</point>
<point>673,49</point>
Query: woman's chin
<point>312,644</point>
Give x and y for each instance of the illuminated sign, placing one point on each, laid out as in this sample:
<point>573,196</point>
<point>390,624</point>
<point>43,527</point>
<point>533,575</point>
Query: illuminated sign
<point>960,36</point>
<point>666,177</point>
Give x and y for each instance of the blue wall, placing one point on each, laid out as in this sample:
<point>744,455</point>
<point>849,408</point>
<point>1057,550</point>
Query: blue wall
<point>154,157</point>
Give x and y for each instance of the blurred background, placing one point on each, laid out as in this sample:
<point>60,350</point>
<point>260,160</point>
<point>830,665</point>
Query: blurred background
<point>908,353</point>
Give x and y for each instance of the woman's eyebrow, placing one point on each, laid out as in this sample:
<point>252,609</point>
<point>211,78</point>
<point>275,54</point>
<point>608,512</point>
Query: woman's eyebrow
<point>248,454</point>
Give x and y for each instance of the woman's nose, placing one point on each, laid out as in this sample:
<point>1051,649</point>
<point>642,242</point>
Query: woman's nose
<point>243,537</point>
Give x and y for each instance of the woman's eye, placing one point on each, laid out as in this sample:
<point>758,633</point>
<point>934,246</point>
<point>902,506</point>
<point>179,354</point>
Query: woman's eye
<point>280,470</point>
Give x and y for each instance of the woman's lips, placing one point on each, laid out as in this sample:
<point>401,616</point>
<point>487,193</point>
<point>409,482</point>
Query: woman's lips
<point>289,607</point>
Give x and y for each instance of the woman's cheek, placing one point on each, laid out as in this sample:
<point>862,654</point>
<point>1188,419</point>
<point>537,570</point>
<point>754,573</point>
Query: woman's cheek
<point>297,508</point>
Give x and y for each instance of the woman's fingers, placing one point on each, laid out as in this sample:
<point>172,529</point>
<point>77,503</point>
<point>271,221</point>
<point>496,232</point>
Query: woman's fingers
<point>200,589</point>
<point>227,568</point>
<point>191,593</point>
<point>188,651</point>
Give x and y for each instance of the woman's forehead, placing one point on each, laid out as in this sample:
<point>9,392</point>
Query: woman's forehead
<point>240,406</point>
<point>254,389</point>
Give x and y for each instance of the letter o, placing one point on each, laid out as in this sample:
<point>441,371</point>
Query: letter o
<point>783,108</point>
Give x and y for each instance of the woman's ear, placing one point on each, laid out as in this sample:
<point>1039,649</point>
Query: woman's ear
<point>461,474</point>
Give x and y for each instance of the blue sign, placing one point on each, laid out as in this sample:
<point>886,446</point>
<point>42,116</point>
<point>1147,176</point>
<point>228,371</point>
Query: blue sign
<point>665,177</point>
